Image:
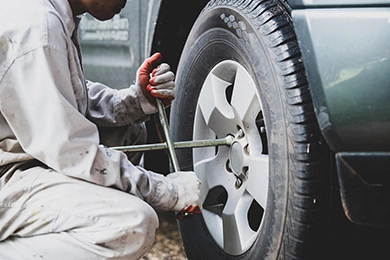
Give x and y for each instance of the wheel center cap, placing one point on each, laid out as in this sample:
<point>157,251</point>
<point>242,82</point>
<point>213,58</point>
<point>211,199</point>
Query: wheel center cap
<point>236,158</point>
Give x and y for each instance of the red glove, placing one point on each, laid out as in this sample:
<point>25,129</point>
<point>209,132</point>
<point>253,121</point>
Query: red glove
<point>161,85</point>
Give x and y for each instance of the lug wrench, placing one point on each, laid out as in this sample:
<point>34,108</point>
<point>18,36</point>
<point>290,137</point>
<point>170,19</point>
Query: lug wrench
<point>227,141</point>
<point>170,145</point>
<point>175,163</point>
<point>168,139</point>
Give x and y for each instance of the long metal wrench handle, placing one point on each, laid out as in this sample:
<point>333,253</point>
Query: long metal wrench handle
<point>168,138</point>
<point>171,149</point>
<point>227,141</point>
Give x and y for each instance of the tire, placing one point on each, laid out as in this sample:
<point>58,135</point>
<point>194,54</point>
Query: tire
<point>241,74</point>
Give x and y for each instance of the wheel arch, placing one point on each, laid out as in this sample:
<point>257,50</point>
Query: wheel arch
<point>173,24</point>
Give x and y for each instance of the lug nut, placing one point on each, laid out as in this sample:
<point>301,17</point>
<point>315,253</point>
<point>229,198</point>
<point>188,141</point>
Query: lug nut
<point>228,167</point>
<point>240,133</point>
<point>238,183</point>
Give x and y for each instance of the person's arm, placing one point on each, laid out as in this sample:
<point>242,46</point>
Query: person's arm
<point>39,104</point>
<point>111,107</point>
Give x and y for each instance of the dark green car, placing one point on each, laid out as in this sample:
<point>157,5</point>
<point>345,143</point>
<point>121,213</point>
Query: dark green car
<point>302,86</point>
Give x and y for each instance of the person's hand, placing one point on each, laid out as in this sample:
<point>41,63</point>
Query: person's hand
<point>188,186</point>
<point>156,80</point>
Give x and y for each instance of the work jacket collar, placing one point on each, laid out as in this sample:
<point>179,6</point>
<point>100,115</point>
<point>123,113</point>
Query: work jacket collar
<point>65,11</point>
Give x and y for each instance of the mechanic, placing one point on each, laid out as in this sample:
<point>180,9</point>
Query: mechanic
<point>63,193</point>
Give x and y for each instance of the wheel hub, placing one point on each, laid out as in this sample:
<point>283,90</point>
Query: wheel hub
<point>238,157</point>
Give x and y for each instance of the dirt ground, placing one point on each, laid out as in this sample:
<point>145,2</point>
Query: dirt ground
<point>168,244</point>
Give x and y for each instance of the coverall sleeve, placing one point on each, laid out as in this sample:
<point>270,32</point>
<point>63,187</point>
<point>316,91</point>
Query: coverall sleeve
<point>40,105</point>
<point>112,107</point>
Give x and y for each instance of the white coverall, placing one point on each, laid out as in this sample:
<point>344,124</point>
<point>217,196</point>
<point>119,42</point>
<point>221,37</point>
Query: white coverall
<point>50,157</point>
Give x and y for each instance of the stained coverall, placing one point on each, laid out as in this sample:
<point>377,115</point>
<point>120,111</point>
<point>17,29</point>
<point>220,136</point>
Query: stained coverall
<point>64,195</point>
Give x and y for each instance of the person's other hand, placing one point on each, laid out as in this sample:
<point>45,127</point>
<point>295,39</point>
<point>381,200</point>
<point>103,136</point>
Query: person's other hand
<point>188,186</point>
<point>156,80</point>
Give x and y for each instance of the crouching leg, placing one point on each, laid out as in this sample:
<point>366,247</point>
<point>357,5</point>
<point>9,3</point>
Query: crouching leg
<point>47,215</point>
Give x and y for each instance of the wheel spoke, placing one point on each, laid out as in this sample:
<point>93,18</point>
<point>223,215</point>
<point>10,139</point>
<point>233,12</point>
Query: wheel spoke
<point>236,230</point>
<point>232,239</point>
<point>212,173</point>
<point>244,98</point>
<point>217,112</point>
<point>234,197</point>
<point>258,177</point>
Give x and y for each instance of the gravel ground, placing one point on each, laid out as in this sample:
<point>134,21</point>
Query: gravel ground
<point>168,244</point>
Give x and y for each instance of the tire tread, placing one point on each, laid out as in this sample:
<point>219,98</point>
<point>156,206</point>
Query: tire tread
<point>306,149</point>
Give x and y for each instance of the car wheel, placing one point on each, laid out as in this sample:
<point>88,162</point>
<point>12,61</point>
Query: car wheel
<point>241,74</point>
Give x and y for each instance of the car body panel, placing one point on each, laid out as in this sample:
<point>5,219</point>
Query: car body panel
<point>346,53</point>
<point>364,181</point>
<point>338,3</point>
<point>114,49</point>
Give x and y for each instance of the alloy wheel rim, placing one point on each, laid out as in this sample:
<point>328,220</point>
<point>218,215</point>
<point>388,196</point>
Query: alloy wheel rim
<point>234,179</point>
